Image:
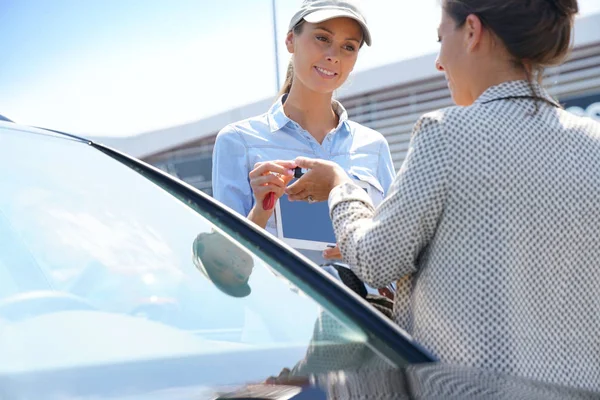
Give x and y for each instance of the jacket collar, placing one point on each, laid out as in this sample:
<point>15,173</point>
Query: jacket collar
<point>516,89</point>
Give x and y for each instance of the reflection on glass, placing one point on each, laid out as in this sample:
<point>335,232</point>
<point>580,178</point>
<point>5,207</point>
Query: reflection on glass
<point>224,262</point>
<point>122,271</point>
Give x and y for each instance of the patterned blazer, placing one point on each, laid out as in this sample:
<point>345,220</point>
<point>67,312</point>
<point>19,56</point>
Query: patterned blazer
<point>492,228</point>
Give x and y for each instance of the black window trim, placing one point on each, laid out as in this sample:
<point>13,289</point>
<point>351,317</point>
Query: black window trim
<point>349,303</point>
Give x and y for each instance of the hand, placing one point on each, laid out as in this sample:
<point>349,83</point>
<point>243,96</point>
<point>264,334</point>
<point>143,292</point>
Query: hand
<point>332,253</point>
<point>321,178</point>
<point>271,176</point>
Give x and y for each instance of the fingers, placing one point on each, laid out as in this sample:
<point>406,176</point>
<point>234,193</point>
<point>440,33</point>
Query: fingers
<point>285,168</point>
<point>261,191</point>
<point>332,254</point>
<point>300,196</point>
<point>304,162</point>
<point>268,179</point>
<point>287,179</point>
<point>296,187</point>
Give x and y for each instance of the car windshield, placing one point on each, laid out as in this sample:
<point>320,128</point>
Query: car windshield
<point>112,268</point>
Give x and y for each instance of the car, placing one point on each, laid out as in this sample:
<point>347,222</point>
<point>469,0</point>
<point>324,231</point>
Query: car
<point>119,281</point>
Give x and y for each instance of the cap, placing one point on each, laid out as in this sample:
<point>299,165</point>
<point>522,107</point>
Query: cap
<point>315,11</point>
<point>202,242</point>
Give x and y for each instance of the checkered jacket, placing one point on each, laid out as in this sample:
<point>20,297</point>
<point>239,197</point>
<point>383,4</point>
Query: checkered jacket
<point>492,230</point>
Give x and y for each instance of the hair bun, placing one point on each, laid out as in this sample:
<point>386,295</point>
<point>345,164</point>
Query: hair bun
<point>566,8</point>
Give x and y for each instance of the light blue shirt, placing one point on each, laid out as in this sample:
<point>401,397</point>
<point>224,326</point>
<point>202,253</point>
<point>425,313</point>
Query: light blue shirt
<point>361,151</point>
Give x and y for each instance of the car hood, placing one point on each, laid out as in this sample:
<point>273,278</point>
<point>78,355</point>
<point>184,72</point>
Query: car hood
<point>86,338</point>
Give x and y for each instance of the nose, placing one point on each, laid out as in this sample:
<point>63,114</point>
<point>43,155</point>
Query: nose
<point>438,66</point>
<point>333,55</point>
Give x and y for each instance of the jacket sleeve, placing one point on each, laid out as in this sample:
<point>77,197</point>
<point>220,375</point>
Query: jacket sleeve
<point>383,245</point>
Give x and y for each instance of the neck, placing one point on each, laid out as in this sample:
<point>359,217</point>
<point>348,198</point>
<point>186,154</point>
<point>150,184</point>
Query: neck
<point>311,110</point>
<point>495,75</point>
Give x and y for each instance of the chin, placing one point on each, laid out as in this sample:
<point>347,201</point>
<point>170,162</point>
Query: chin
<point>326,87</point>
<point>324,90</point>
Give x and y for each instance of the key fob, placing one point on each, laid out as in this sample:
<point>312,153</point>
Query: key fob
<point>269,201</point>
<point>298,172</point>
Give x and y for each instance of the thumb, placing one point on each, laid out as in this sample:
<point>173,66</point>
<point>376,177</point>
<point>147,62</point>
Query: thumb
<point>305,163</point>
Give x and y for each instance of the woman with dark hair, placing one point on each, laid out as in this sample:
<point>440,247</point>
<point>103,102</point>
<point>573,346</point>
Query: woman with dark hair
<point>492,226</point>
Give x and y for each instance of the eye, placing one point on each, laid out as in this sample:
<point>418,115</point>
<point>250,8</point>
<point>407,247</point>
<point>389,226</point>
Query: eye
<point>349,47</point>
<point>322,39</point>
<point>439,39</point>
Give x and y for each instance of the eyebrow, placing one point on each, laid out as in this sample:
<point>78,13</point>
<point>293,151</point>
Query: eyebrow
<point>331,33</point>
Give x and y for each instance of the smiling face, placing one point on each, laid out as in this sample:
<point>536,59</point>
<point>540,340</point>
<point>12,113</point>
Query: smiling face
<point>325,53</point>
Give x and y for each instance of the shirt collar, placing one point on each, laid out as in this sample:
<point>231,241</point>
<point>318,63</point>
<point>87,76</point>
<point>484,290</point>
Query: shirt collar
<point>276,115</point>
<point>516,89</point>
<point>277,118</point>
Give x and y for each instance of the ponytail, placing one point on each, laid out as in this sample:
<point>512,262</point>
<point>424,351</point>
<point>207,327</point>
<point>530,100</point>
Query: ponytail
<point>289,78</point>
<point>289,75</point>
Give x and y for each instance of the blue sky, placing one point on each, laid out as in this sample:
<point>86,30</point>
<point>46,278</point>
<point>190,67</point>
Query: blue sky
<point>123,67</point>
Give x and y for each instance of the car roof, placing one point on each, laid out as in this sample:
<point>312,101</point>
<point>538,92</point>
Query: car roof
<point>9,125</point>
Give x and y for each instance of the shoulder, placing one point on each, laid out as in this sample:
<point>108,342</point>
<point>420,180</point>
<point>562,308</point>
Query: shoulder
<point>445,116</point>
<point>450,120</point>
<point>436,122</point>
<point>571,121</point>
<point>455,115</point>
<point>243,129</point>
<point>365,134</point>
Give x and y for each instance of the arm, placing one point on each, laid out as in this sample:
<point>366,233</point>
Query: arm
<point>230,182</point>
<point>385,168</point>
<point>240,188</point>
<point>383,245</point>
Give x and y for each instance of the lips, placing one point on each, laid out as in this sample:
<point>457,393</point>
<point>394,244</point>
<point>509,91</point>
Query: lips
<point>325,73</point>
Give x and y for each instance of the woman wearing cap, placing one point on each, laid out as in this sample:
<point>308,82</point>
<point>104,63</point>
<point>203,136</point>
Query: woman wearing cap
<point>492,224</point>
<point>324,39</point>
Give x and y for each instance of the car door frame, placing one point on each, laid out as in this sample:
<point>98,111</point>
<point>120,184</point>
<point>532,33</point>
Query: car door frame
<point>350,304</point>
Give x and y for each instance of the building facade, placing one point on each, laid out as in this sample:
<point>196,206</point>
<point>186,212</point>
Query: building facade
<point>388,99</point>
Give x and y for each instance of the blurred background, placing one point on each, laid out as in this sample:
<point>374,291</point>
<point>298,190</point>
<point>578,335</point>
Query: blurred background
<point>159,78</point>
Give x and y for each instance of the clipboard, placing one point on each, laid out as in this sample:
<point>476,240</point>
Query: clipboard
<point>307,227</point>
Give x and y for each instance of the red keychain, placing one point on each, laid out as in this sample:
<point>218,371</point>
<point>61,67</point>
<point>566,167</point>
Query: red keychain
<point>269,201</point>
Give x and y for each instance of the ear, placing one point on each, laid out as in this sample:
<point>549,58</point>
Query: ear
<point>473,32</point>
<point>289,42</point>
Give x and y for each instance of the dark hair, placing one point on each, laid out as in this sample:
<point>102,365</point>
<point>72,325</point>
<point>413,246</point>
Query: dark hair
<point>289,75</point>
<point>537,33</point>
